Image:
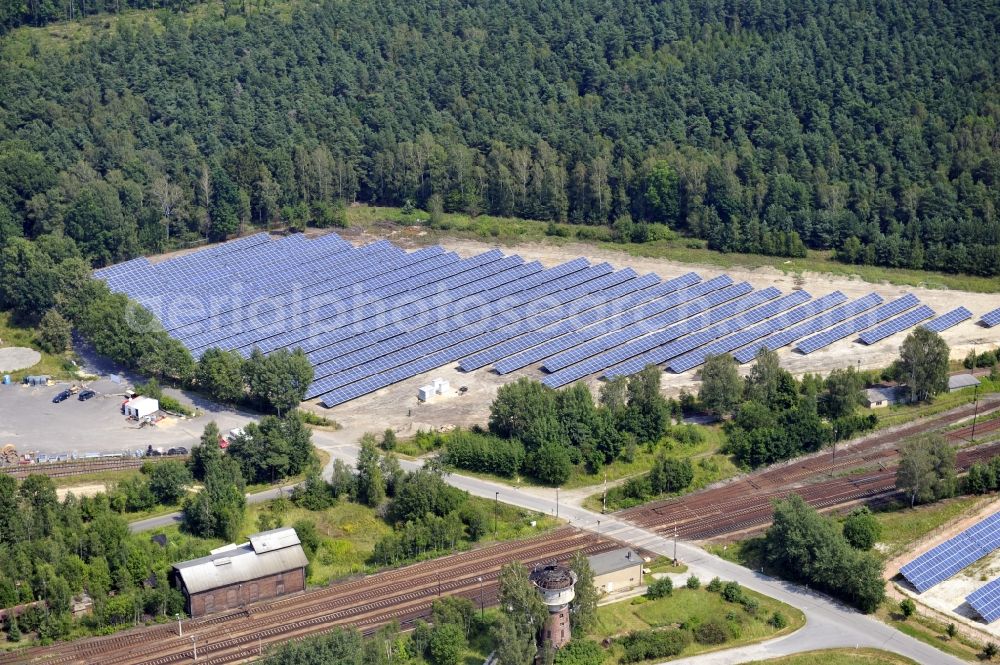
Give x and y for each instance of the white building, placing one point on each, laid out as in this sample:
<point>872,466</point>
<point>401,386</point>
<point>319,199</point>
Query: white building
<point>140,407</point>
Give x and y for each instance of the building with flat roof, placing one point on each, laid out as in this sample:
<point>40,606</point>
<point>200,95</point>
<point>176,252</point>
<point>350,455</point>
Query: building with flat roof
<point>617,570</point>
<point>960,381</point>
<point>271,564</point>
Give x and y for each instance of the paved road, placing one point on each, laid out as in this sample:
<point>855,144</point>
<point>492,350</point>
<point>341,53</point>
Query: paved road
<point>829,624</point>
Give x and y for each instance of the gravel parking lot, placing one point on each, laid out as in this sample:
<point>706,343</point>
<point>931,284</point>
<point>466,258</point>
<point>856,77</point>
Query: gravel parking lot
<point>33,423</point>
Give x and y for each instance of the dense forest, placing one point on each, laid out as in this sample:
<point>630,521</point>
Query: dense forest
<point>864,126</point>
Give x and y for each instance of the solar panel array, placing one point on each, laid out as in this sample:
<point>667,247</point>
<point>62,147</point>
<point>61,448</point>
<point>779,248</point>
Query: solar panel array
<point>782,338</point>
<point>857,324</point>
<point>941,562</point>
<point>374,315</point>
<point>952,318</point>
<point>986,601</point>
<point>991,318</point>
<point>902,322</point>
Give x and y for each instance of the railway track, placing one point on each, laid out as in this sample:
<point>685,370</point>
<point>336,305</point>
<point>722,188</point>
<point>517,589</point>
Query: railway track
<point>402,595</point>
<point>82,467</point>
<point>715,510</point>
<point>747,513</point>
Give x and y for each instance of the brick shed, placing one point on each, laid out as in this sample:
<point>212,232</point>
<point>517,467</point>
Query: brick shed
<point>272,564</point>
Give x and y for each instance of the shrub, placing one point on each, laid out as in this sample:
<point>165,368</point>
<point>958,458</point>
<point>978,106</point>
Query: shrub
<point>712,631</point>
<point>989,651</point>
<point>693,582</point>
<point>646,644</point>
<point>907,607</point>
<point>750,604</point>
<point>951,630</point>
<point>580,652</point>
<point>778,620</point>
<point>715,585</point>
<point>660,588</point>
<point>485,453</point>
<point>732,592</point>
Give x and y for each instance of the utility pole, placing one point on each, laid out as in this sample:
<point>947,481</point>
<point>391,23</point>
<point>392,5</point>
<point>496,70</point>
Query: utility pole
<point>482,604</point>
<point>194,645</point>
<point>180,628</point>
<point>604,499</point>
<point>834,446</point>
<point>496,513</point>
<point>975,412</point>
<point>439,585</point>
<point>598,530</point>
<point>675,544</point>
<point>557,503</point>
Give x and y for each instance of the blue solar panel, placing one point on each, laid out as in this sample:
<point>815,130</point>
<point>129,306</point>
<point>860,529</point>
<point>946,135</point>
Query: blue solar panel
<point>387,299</point>
<point>945,321</point>
<point>614,334</point>
<point>625,351</point>
<point>441,335</point>
<point>351,271</point>
<point>744,337</point>
<point>857,324</point>
<point>951,556</point>
<point>370,311</point>
<point>986,601</point>
<point>991,318</point>
<point>420,358</point>
<point>702,337</point>
<point>902,322</point>
<point>646,289</point>
<point>380,343</point>
<point>826,319</point>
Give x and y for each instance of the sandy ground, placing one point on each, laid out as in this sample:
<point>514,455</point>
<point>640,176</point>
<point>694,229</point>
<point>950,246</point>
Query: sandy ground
<point>397,406</point>
<point>14,358</point>
<point>81,490</point>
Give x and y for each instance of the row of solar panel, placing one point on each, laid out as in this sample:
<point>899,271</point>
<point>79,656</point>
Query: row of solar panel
<point>986,601</point>
<point>365,314</point>
<point>941,562</point>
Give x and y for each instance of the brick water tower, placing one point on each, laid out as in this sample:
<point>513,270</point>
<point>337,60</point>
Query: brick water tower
<point>556,585</point>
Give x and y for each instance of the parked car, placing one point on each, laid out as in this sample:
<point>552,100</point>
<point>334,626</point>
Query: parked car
<point>179,450</point>
<point>85,395</point>
<point>61,397</point>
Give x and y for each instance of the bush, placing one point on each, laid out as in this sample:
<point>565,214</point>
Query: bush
<point>660,588</point>
<point>580,652</point>
<point>907,607</point>
<point>750,604</point>
<point>989,651</point>
<point>693,582</point>
<point>485,453</point>
<point>778,620</point>
<point>647,644</point>
<point>732,592</point>
<point>712,631</point>
<point>715,585</point>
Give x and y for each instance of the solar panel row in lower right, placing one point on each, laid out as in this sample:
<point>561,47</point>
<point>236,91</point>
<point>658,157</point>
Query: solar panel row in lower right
<point>941,562</point>
<point>986,601</point>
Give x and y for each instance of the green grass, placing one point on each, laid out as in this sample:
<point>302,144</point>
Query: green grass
<point>56,366</point>
<point>692,606</point>
<point>929,631</point>
<point>842,657</point>
<point>902,526</point>
<point>349,531</point>
<point>684,250</point>
<point>898,414</point>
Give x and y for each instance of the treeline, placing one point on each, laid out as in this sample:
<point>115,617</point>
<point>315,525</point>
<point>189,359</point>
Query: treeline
<point>55,551</point>
<point>544,433</point>
<point>47,283</point>
<point>776,417</point>
<point>804,546</point>
<point>758,127</point>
